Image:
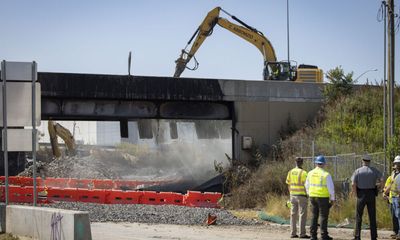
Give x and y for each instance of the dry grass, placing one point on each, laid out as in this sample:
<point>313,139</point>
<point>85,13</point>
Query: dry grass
<point>269,178</point>
<point>383,217</point>
<point>248,214</point>
<point>276,206</point>
<point>343,208</point>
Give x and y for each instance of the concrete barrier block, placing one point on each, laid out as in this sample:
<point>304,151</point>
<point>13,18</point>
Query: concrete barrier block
<point>47,223</point>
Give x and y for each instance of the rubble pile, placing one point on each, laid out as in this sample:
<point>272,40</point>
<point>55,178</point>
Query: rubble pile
<point>99,164</point>
<point>164,214</point>
<point>127,162</point>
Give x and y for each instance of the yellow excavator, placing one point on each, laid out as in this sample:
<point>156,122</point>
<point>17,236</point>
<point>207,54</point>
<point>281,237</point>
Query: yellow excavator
<point>55,130</point>
<point>273,70</point>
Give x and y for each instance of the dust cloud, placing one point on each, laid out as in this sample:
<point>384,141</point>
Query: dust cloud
<point>178,151</point>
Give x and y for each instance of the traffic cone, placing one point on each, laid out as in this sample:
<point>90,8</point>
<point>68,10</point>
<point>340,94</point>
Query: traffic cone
<point>211,219</point>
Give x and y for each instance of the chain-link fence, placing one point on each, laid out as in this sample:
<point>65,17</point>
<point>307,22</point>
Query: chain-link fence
<point>342,166</point>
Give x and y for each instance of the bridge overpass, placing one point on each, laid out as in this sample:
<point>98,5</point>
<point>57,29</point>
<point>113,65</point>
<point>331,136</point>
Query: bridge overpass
<point>257,109</point>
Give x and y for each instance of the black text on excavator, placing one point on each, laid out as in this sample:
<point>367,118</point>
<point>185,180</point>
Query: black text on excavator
<point>273,70</point>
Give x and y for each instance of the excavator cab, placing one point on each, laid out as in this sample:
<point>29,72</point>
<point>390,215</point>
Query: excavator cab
<point>278,71</point>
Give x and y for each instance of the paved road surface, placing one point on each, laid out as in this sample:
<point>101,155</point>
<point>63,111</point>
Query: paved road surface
<point>142,231</point>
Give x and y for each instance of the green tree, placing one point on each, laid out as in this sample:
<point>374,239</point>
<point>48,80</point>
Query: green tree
<point>341,84</point>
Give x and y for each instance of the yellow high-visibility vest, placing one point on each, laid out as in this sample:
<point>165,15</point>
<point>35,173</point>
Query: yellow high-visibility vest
<point>296,179</point>
<point>317,180</point>
<point>393,186</point>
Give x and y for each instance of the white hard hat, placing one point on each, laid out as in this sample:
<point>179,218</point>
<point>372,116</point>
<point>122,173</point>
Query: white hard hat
<point>397,159</point>
<point>367,157</point>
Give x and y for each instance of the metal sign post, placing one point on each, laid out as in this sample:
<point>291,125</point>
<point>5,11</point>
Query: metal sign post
<point>19,114</point>
<point>4,140</point>
<point>34,74</point>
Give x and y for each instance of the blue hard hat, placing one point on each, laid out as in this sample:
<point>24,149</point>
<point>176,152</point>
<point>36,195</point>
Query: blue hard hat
<point>320,159</point>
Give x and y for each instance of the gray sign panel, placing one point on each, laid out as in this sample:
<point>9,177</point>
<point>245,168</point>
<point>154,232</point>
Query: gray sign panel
<point>19,71</point>
<point>19,104</point>
<point>19,140</point>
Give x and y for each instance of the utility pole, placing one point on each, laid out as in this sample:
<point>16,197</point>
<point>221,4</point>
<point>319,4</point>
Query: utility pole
<point>391,66</point>
<point>287,28</point>
<point>385,97</point>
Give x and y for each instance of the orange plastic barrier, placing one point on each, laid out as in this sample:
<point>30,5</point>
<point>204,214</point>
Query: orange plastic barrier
<point>20,181</point>
<point>25,181</point>
<point>103,184</point>
<point>100,191</point>
<point>174,198</point>
<point>154,198</point>
<point>122,197</point>
<point>24,194</point>
<point>66,194</point>
<point>80,183</point>
<point>93,196</point>
<point>126,184</point>
<point>192,198</point>
<point>13,180</point>
<point>198,199</point>
<point>20,194</point>
<point>57,182</point>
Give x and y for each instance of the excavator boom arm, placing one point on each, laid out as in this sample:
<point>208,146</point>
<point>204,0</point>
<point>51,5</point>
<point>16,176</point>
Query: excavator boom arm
<point>255,38</point>
<point>202,32</point>
<point>205,29</point>
<point>55,130</point>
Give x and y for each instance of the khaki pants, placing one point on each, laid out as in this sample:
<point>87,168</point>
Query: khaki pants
<point>299,206</point>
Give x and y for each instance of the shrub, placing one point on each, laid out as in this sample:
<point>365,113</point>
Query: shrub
<point>270,178</point>
<point>341,84</point>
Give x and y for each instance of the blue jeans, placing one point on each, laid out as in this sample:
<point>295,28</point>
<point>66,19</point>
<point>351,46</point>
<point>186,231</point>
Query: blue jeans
<point>395,221</point>
<point>396,209</point>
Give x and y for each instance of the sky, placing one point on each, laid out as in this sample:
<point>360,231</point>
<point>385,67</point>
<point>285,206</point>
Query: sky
<point>95,36</point>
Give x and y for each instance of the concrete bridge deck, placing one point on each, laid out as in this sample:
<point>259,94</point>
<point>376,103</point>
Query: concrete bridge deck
<point>258,109</point>
<point>115,97</point>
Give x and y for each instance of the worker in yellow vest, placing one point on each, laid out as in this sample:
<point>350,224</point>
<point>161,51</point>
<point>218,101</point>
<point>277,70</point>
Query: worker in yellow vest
<point>320,189</point>
<point>388,194</point>
<point>295,180</point>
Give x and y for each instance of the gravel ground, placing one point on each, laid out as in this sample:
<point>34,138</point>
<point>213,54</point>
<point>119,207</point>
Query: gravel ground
<point>161,214</point>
